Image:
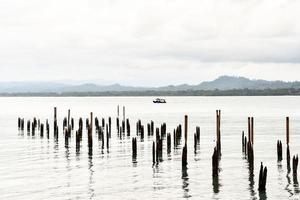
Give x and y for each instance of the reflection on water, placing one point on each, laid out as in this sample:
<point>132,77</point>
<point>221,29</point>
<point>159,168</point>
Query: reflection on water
<point>216,184</point>
<point>91,190</point>
<point>185,182</point>
<point>251,182</point>
<point>262,195</point>
<point>287,187</point>
<point>64,169</point>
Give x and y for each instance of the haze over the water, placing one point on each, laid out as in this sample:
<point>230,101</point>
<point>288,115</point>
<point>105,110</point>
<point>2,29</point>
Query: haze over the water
<point>149,43</point>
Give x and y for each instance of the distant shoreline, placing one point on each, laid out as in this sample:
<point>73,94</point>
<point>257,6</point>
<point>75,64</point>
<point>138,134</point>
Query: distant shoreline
<point>234,92</point>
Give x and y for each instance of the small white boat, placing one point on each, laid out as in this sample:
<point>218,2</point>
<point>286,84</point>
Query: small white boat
<point>158,100</point>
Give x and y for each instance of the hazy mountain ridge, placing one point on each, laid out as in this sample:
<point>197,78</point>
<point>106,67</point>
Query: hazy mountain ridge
<point>221,83</point>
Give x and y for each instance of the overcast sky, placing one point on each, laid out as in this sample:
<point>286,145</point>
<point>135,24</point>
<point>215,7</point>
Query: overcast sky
<point>149,42</point>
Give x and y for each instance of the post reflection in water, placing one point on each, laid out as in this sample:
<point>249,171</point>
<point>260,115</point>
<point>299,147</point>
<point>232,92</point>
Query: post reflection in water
<point>134,161</point>
<point>185,182</point>
<point>287,187</point>
<point>216,184</point>
<point>296,184</point>
<point>91,190</point>
<point>251,182</point>
<point>263,195</point>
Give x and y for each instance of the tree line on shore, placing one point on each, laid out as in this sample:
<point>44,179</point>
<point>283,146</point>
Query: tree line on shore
<point>233,92</point>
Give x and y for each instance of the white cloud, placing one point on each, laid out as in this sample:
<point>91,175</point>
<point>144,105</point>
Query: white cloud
<point>149,42</point>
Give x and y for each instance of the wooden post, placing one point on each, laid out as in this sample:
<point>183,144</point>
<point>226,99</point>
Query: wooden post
<point>91,123</point>
<point>287,130</point>
<point>55,123</point>
<point>185,128</point>
<point>169,143</point>
<point>218,142</point>
<point>184,156</point>
<point>134,148</point>
<point>252,130</point>
<point>295,165</point>
<point>153,152</point>
<point>69,113</point>
<point>215,163</point>
<point>279,151</point>
<point>249,128</point>
<point>262,178</point>
<point>107,137</point>
<point>243,142</point>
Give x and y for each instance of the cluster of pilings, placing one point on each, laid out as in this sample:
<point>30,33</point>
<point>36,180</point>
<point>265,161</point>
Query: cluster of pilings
<point>262,180</point>
<point>247,143</point>
<point>288,154</point>
<point>104,131</point>
<point>33,127</point>
<point>177,134</point>
<point>121,127</point>
<point>150,128</point>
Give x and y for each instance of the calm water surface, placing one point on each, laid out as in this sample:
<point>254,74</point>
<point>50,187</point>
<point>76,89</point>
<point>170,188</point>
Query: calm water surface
<point>38,168</point>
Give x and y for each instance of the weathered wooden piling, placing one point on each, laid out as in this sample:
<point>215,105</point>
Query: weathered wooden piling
<point>28,126</point>
<point>163,130</point>
<point>65,123</point>
<point>159,149</point>
<point>245,147</point>
<point>55,127</point>
<point>102,139</point>
<point>91,124</point>
<point>32,129</point>
<point>288,155</point>
<point>184,156</point>
<point>295,165</point>
<point>77,139</point>
<point>142,133</point>
<point>128,127</point>
<point>107,136</point>
<point>250,155</point>
<point>249,128</point>
<point>153,152</point>
<point>185,128</point>
<point>262,178</point>
<point>169,143</point>
<point>218,131</point>
<point>118,124</point>
<point>103,123</point>
<point>287,130</point>
<point>195,143</point>
<point>252,131</point>
<point>174,139</point>
<point>47,129</point>
<point>109,125</point>
<point>148,129</point>
<point>243,141</point>
<point>215,163</point>
<point>19,123</point>
<point>90,135</point>
<point>196,138</point>
<point>69,115</point>
<point>279,150</point>
<point>198,134</point>
<point>134,148</point>
<point>72,123</point>
<point>42,130</point>
<point>184,150</point>
<point>152,127</point>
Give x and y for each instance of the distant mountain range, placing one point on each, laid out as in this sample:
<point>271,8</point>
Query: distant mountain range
<point>221,83</point>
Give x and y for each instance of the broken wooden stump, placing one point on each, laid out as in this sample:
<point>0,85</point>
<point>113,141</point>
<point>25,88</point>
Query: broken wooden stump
<point>279,151</point>
<point>262,178</point>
